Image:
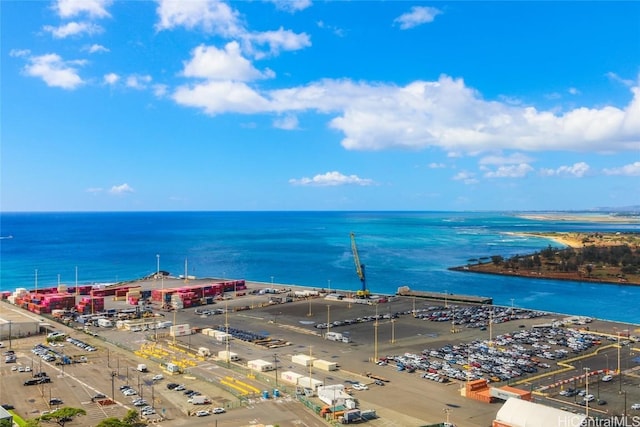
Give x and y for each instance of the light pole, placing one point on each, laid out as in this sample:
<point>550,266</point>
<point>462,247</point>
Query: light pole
<point>586,396</point>
<point>375,342</point>
<point>157,265</point>
<point>447,411</point>
<point>328,318</point>
<point>329,285</point>
<point>113,388</point>
<point>393,331</point>
<point>10,334</point>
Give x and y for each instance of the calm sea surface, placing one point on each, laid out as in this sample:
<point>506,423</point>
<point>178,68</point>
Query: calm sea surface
<point>303,248</point>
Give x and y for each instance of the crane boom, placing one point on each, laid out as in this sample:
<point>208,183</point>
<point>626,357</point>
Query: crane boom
<point>359,266</point>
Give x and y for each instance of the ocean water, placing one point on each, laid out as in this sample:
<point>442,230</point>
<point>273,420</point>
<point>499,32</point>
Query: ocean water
<point>310,249</point>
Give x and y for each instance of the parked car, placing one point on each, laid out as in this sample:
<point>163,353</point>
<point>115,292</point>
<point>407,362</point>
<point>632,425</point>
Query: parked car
<point>607,378</point>
<point>635,406</point>
<point>218,410</point>
<point>202,413</point>
<point>55,401</point>
<point>157,377</point>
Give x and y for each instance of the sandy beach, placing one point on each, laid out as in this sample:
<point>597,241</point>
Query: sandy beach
<point>595,217</point>
<point>580,240</point>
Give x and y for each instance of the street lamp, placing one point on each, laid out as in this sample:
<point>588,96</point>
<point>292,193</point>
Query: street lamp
<point>586,396</point>
<point>113,389</point>
<point>329,285</point>
<point>157,265</point>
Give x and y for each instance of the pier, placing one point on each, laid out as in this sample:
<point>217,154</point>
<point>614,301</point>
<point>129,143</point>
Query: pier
<point>405,291</point>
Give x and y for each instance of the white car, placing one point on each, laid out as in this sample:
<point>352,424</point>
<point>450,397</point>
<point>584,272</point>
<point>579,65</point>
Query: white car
<point>589,398</point>
<point>635,406</point>
<point>129,392</point>
<point>218,410</point>
<point>607,378</point>
<point>157,377</point>
<point>359,386</point>
<point>202,413</point>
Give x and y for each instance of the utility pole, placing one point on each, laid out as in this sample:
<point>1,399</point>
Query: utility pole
<point>113,389</point>
<point>375,345</point>
<point>275,363</point>
<point>586,379</point>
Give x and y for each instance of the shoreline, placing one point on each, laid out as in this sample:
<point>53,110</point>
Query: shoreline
<point>580,239</point>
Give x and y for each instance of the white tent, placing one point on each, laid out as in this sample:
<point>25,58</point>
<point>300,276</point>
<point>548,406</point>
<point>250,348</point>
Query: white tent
<point>522,413</point>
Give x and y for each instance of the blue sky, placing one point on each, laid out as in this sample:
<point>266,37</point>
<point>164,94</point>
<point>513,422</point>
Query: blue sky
<point>300,105</point>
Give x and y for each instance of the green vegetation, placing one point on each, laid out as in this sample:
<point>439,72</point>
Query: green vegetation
<point>610,264</point>
<point>61,416</point>
<point>132,419</point>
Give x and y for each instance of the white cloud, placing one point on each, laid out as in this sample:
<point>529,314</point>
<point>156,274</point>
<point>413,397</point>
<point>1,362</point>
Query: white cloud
<point>335,30</point>
<point>209,62</point>
<point>434,165</point>
<point>160,90</point>
<point>94,190</point>
<point>72,29</point>
<point>121,189</point>
<point>278,40</point>
<point>19,53</point>
<point>514,158</point>
<point>111,78</point>
<point>291,5</point>
<point>55,71</point>
<point>577,170</point>
<point>511,171</point>
<point>95,48</point>
<point>92,8</point>
<point>616,78</point>
<point>139,82</point>
<point>288,122</point>
<point>417,16</point>
<point>331,179</point>
<point>447,114</point>
<point>216,97</point>
<point>209,15</point>
<point>573,91</point>
<point>466,177</point>
<point>632,169</point>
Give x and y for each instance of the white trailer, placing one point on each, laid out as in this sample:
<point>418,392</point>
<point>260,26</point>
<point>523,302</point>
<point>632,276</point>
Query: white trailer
<point>325,365</point>
<point>290,377</point>
<point>260,365</point>
<point>302,359</point>
<point>105,323</point>
<point>225,355</point>
<point>333,336</point>
<point>308,382</point>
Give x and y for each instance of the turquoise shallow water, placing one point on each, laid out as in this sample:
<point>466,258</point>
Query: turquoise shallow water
<point>303,248</point>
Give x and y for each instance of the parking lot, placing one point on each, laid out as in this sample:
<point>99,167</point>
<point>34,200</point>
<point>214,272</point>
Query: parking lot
<point>430,342</point>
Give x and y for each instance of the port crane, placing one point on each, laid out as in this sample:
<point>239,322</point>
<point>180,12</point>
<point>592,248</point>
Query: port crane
<point>363,292</point>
